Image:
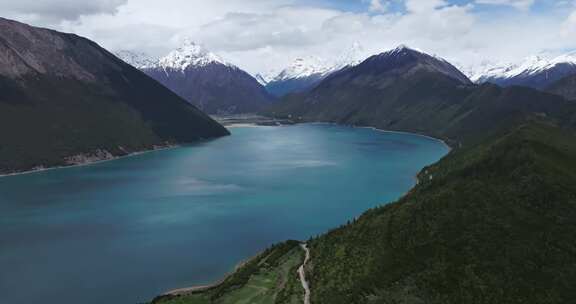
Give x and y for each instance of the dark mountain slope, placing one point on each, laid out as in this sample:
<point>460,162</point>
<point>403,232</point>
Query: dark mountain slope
<point>565,87</point>
<point>63,98</point>
<point>215,88</point>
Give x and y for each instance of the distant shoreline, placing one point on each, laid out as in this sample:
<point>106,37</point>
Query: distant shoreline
<point>248,124</point>
<point>411,133</point>
<point>244,125</point>
<point>250,120</point>
<point>90,163</point>
<point>384,131</point>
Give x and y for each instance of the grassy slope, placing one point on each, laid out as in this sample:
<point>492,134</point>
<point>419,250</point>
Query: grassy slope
<point>269,278</point>
<point>493,223</point>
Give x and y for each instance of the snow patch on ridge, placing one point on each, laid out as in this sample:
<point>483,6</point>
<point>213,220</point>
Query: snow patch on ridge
<point>189,54</point>
<point>304,67</point>
<point>137,59</point>
<point>529,66</point>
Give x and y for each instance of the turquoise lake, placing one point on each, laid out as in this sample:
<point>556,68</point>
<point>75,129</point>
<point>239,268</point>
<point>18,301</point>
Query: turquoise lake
<point>126,230</point>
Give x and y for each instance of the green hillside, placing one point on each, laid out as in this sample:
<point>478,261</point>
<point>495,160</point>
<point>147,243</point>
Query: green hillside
<point>491,223</point>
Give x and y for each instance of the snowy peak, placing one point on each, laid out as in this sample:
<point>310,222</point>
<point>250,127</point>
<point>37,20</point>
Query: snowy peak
<point>404,50</point>
<point>536,64</point>
<point>530,66</point>
<point>302,68</point>
<point>136,59</point>
<point>188,55</point>
<point>487,70</point>
<point>308,66</point>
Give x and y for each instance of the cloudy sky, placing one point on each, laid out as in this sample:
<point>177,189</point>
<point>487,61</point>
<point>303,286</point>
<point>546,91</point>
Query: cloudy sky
<point>260,35</point>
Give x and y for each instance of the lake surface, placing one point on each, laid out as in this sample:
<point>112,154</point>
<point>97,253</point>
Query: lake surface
<point>126,230</point>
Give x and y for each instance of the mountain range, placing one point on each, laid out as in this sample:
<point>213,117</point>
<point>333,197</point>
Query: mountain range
<point>304,73</point>
<point>65,100</point>
<point>408,90</point>
<point>203,79</point>
<point>537,72</point>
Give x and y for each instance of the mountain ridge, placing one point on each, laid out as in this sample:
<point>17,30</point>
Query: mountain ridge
<point>65,98</point>
<point>206,80</point>
<point>536,72</point>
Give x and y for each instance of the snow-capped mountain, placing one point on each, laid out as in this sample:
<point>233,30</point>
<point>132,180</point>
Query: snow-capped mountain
<point>138,60</point>
<point>190,54</point>
<point>302,68</point>
<point>301,74</point>
<point>304,73</point>
<point>535,71</point>
<point>204,79</point>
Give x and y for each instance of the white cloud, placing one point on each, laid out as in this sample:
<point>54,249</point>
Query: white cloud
<point>260,35</point>
<point>378,6</point>
<point>284,27</point>
<point>417,6</point>
<point>569,26</point>
<point>55,10</point>
<point>519,4</point>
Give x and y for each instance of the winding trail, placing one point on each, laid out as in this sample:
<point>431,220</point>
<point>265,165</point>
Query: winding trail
<point>302,274</point>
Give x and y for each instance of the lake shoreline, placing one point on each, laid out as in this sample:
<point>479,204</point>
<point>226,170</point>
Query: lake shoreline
<point>92,162</point>
<point>199,288</point>
<point>248,124</point>
<point>386,131</point>
<point>252,124</point>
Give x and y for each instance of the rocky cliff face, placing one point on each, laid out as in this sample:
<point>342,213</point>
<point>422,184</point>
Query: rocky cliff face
<point>63,95</point>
